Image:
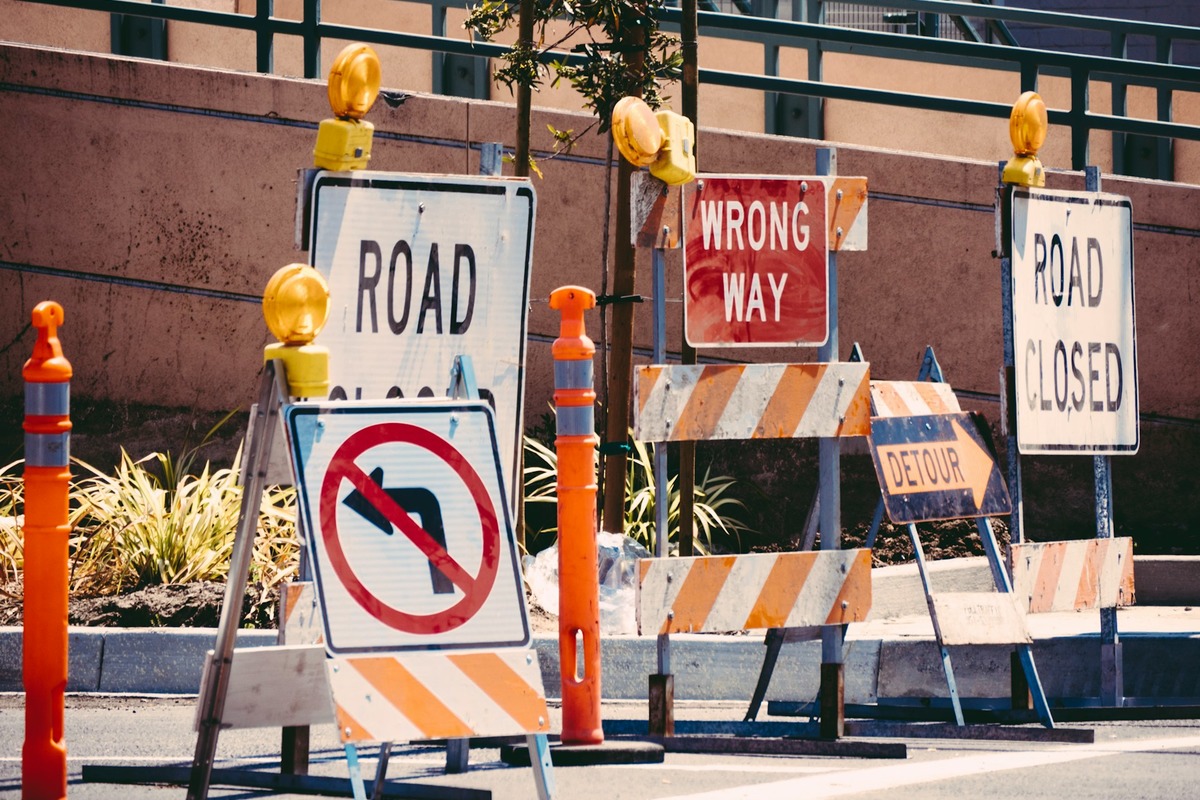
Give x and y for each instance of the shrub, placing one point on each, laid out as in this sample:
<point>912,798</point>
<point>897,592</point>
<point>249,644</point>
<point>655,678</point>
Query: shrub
<point>717,512</point>
<point>152,523</point>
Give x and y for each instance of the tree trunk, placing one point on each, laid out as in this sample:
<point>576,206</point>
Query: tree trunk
<point>620,374</point>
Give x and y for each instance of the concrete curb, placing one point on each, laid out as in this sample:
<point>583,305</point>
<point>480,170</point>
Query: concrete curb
<point>1158,666</point>
<point>893,655</point>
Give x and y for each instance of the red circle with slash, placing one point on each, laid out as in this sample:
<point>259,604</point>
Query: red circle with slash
<point>475,588</point>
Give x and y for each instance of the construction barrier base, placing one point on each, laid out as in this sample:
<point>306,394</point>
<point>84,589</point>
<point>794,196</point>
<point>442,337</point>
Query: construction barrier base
<point>986,718</point>
<point>753,738</point>
<point>581,755</point>
<point>276,782</point>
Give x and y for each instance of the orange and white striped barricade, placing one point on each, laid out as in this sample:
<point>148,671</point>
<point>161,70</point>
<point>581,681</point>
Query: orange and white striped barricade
<point>749,401</point>
<point>1077,575</point>
<point>912,399</point>
<point>719,594</point>
<point>438,695</point>
<point>1074,575</point>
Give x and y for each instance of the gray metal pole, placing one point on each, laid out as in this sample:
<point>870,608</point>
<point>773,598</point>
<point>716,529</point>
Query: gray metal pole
<point>661,501</point>
<point>1016,520</point>
<point>829,466</point>
<point>1112,683</point>
<point>491,158</point>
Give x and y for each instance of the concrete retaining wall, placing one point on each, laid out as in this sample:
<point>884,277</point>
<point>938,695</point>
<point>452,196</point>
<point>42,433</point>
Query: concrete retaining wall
<point>154,200</point>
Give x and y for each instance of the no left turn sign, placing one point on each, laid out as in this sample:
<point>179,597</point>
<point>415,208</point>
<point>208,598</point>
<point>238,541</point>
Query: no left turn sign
<point>406,520</point>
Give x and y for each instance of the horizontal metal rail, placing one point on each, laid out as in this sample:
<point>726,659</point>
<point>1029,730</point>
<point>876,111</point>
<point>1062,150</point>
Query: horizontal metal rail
<point>1166,78</point>
<point>1050,19</point>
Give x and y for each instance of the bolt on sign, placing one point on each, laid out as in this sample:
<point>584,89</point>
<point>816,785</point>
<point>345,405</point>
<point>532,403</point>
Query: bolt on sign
<point>1074,342</point>
<point>940,466</point>
<point>756,256</point>
<point>422,268</point>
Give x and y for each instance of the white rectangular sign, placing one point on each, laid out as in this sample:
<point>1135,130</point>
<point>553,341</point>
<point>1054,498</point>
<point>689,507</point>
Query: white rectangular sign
<point>408,528</point>
<point>1074,342</point>
<point>422,268</point>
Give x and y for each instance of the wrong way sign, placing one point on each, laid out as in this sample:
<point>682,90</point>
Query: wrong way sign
<point>756,256</point>
<point>408,526</point>
<point>422,268</point>
<point>1074,345</point>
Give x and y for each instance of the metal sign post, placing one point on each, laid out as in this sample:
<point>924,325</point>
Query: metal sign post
<point>829,453</point>
<point>657,224</point>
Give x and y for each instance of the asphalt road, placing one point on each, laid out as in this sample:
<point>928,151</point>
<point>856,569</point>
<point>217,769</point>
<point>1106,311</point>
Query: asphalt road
<point>1127,760</point>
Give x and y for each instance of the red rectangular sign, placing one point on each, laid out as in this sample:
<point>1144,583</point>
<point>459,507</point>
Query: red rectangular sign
<point>755,266</point>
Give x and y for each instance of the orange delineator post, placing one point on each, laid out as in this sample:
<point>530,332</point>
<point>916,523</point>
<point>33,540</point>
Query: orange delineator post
<point>47,477</point>
<point>579,583</point>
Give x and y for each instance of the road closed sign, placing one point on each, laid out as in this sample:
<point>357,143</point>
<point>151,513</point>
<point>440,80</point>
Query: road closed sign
<point>422,268</point>
<point>1074,344</point>
<point>408,526</point>
<point>756,256</point>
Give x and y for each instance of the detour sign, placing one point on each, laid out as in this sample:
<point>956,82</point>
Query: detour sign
<point>937,467</point>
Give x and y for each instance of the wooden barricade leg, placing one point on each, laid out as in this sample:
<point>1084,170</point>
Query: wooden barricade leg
<point>294,750</point>
<point>458,755</point>
<point>295,740</point>
<point>833,699</point>
<point>661,718</point>
<point>661,721</point>
<point>271,394</point>
<point>1022,698</point>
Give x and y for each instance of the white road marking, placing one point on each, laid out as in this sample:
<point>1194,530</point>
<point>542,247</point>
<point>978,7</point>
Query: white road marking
<point>848,782</point>
<point>797,769</point>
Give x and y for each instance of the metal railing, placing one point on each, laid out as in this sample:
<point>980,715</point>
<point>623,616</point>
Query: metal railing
<point>807,31</point>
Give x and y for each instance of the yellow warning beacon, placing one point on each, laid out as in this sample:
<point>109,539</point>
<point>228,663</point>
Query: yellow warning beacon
<point>664,141</point>
<point>1027,125</point>
<point>344,143</point>
<point>295,307</point>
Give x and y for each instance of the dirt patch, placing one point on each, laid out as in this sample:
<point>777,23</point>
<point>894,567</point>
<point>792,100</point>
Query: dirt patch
<point>187,605</point>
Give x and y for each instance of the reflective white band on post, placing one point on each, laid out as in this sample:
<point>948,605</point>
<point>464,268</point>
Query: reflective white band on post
<point>47,449</point>
<point>47,399</point>
<point>575,374</point>
<point>575,420</point>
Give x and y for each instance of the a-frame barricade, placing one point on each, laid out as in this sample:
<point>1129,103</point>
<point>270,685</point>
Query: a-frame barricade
<point>958,618</point>
<point>299,684</point>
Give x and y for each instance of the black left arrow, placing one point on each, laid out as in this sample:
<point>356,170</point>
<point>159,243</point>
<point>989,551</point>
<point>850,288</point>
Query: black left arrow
<point>415,500</point>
